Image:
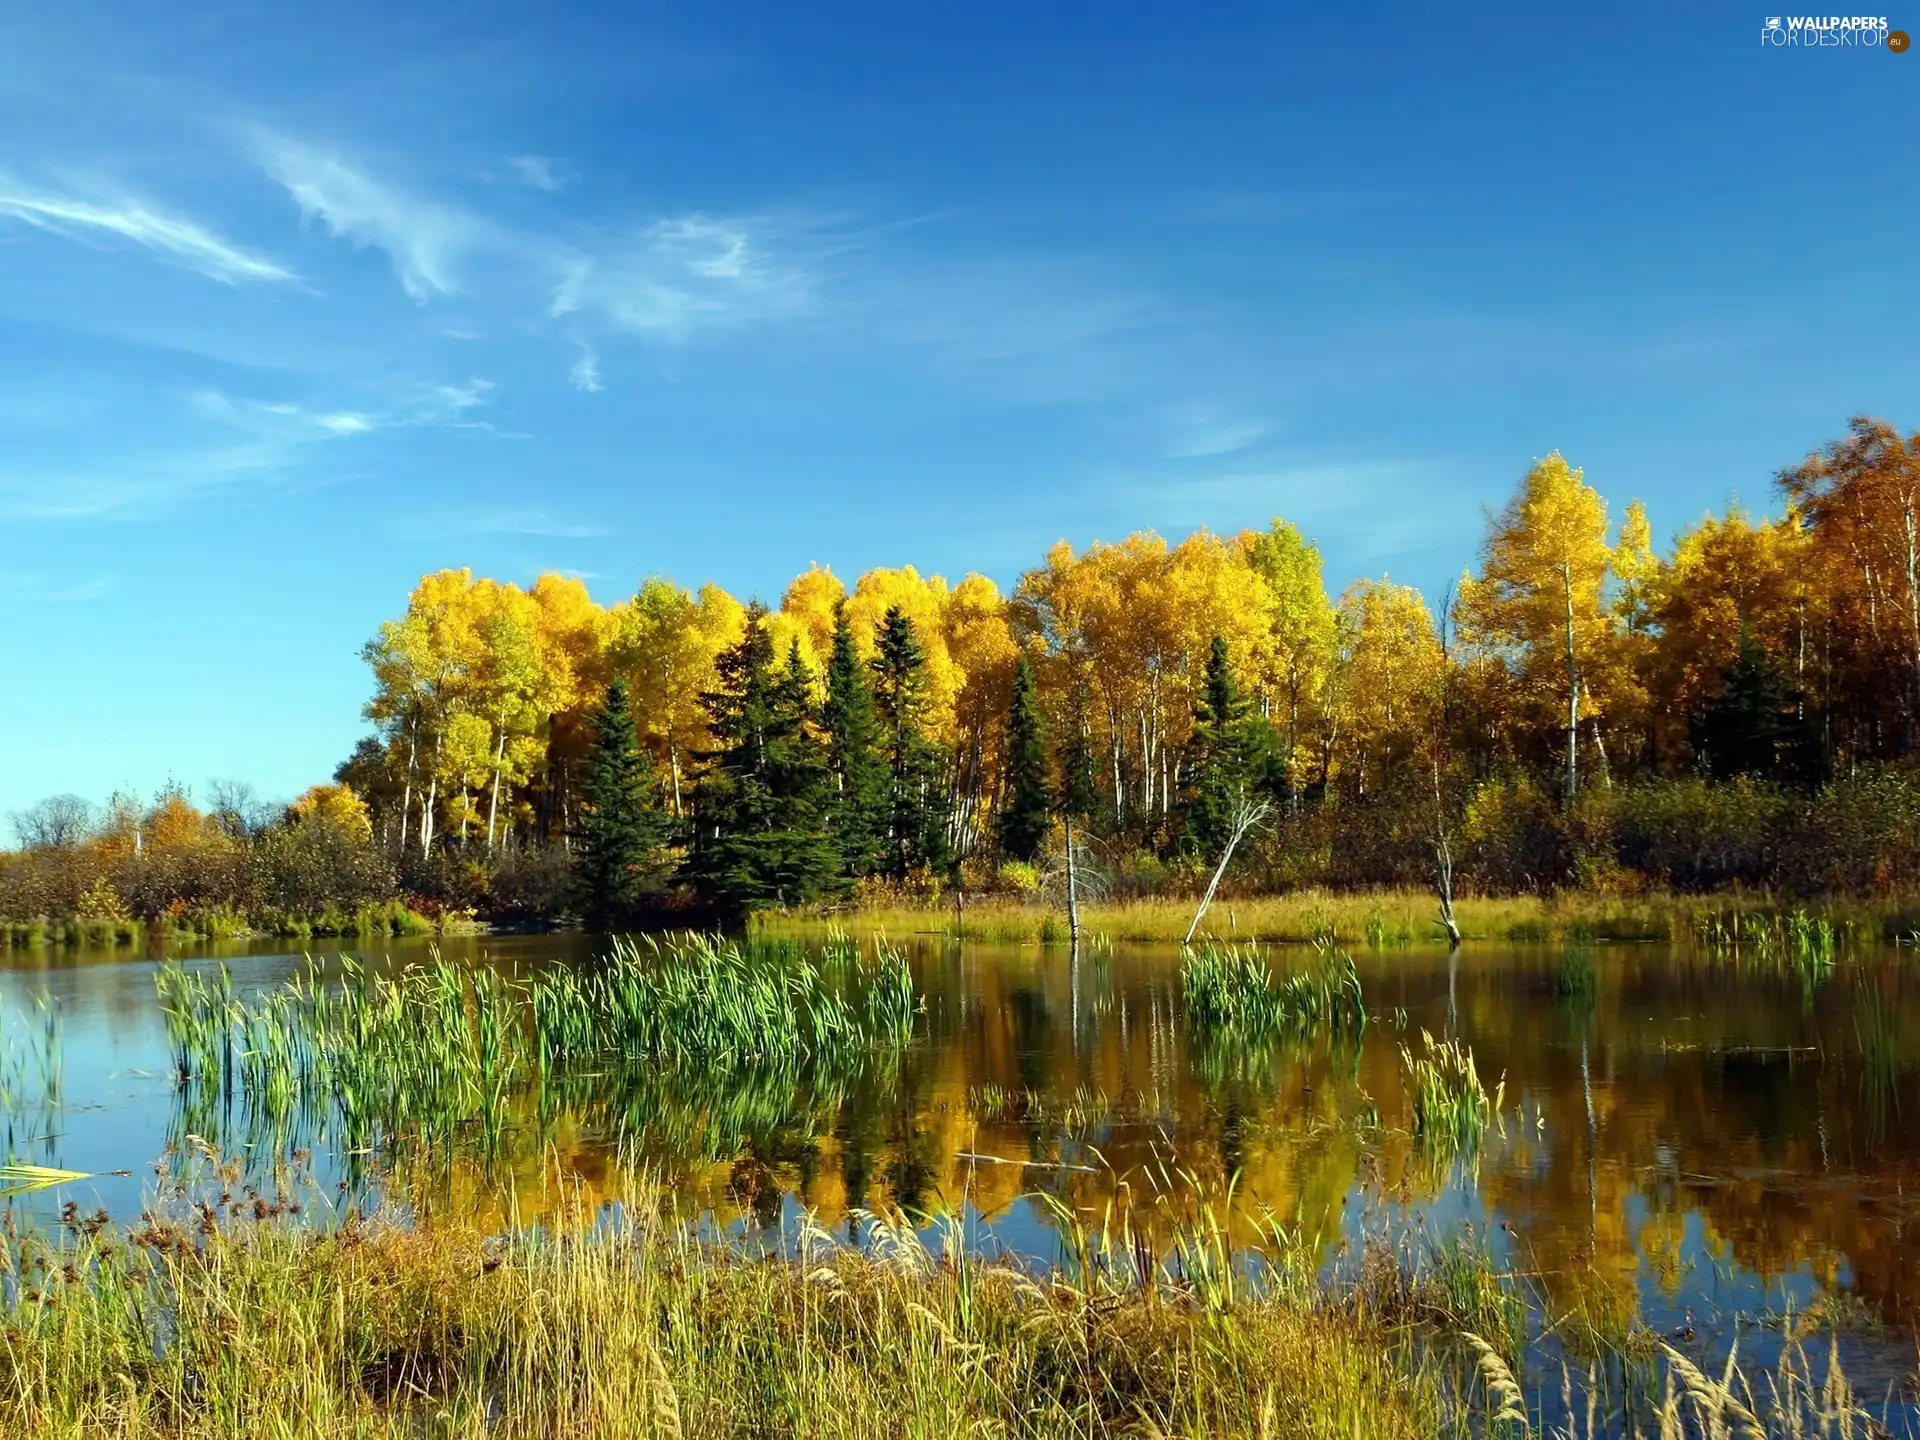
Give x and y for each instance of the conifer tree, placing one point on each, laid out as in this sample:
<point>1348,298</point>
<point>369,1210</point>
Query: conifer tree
<point>760,802</point>
<point>1226,759</point>
<point>858,808</point>
<point>1752,726</point>
<point>916,810</point>
<point>623,830</point>
<point>1025,801</point>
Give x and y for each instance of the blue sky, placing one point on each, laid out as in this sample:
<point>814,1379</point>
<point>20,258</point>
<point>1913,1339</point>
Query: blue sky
<point>294,307</point>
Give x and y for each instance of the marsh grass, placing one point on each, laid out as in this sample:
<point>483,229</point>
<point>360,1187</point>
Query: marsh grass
<point>230,1311</point>
<point>392,918</point>
<point>1876,1028</point>
<point>32,1065</point>
<point>1581,1364</point>
<point>1451,1106</point>
<point>1235,989</point>
<point>1577,981</point>
<point>1796,939</point>
<point>94,932</point>
<point>1377,919</point>
<point>219,1320</point>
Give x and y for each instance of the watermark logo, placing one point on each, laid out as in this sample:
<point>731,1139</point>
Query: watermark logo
<point>1858,32</point>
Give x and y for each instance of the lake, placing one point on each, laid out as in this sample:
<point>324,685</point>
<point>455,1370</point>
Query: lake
<point>1695,1137</point>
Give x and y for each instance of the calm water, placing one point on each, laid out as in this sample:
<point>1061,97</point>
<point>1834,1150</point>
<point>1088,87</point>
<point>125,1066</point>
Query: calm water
<point>1688,1136</point>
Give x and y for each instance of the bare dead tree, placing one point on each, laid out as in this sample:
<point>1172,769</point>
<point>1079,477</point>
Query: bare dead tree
<point>1443,863</point>
<point>1442,844</point>
<point>1247,814</point>
<point>1073,892</point>
<point>58,822</point>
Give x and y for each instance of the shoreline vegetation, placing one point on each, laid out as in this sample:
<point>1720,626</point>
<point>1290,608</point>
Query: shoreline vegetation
<point>392,920</point>
<point>1373,920</point>
<point>1367,919</point>
<point>228,1310</point>
<point>373,1328</point>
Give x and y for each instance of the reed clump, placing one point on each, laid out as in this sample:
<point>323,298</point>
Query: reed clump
<point>437,1049</point>
<point>32,1061</point>
<point>1232,989</point>
<point>708,1001</point>
<point>1451,1105</point>
<point>1795,939</point>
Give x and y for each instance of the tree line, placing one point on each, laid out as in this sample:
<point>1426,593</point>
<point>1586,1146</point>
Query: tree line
<point>905,730</point>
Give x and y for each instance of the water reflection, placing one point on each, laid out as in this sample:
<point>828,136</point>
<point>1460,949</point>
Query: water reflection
<point>1683,1129</point>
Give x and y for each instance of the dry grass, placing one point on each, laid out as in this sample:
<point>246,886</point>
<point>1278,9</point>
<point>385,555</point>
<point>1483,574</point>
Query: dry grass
<point>216,1326</point>
<point>1381,919</point>
<point>226,1317</point>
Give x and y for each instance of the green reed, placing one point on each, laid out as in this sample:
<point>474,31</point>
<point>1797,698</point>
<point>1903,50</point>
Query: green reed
<point>1451,1104</point>
<point>722,1003</point>
<point>1795,940</point>
<point>32,1066</point>
<point>1577,982</point>
<point>1876,1029</point>
<point>437,1050</point>
<point>1232,989</point>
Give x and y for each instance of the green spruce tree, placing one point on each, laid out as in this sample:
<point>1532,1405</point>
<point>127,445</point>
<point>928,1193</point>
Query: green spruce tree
<point>1754,725</point>
<point>1226,761</point>
<point>620,845</point>
<point>760,802</point>
<point>857,811</point>
<point>1025,801</point>
<point>916,802</point>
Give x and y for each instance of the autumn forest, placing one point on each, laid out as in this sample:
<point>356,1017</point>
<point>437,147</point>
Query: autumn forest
<point>1581,709</point>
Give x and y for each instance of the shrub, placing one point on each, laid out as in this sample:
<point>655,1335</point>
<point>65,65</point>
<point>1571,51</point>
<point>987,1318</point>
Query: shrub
<point>1018,877</point>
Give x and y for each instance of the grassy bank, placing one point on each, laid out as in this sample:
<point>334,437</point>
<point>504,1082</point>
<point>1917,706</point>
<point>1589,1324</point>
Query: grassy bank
<point>221,1314</point>
<point>366,922</point>
<point>1374,919</point>
<point>228,1326</point>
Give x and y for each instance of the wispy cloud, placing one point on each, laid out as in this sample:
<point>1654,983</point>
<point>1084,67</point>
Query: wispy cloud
<point>684,275</point>
<point>585,374</point>
<point>1197,431</point>
<point>408,405</point>
<point>518,522</point>
<point>426,239</point>
<point>171,237</point>
<point>1374,509</point>
<point>132,485</point>
<point>239,440</point>
<point>538,171</point>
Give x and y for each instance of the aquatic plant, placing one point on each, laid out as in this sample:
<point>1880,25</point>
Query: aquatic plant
<point>437,1050</point>
<point>1233,989</point>
<point>1451,1105</point>
<point>1295,918</point>
<point>32,1066</point>
<point>1876,1031</point>
<point>1577,982</point>
<point>1384,933</point>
